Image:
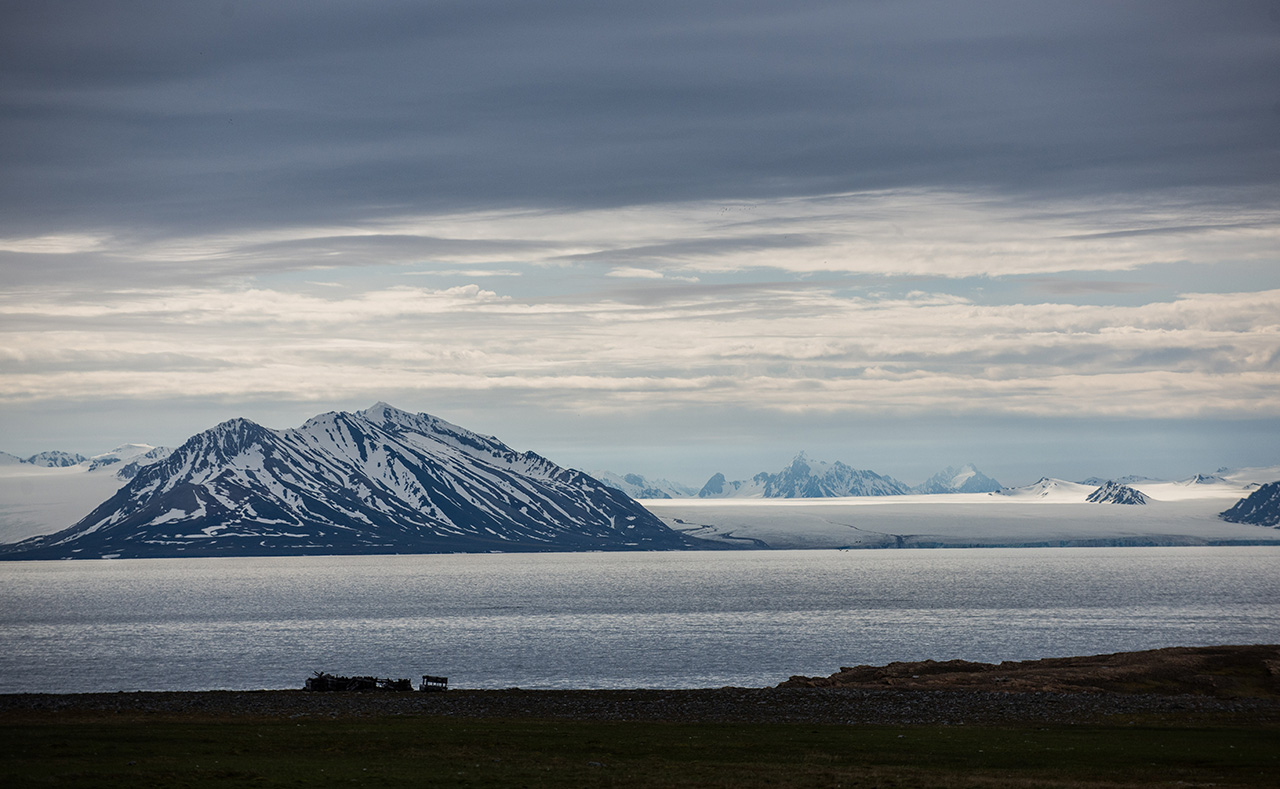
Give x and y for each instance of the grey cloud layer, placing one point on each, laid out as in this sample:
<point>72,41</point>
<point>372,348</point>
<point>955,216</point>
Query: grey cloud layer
<point>153,115</point>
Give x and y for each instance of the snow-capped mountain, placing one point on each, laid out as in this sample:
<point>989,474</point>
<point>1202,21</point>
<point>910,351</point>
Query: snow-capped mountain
<point>1261,508</point>
<point>966,479</point>
<point>1049,489</point>
<point>640,487</point>
<point>55,459</point>
<point>1128,479</point>
<point>1204,479</point>
<point>805,479</point>
<point>1112,492</point>
<point>127,460</point>
<point>375,481</point>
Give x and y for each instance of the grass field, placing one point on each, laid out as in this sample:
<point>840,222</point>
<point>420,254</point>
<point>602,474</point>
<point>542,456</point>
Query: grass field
<point>430,751</point>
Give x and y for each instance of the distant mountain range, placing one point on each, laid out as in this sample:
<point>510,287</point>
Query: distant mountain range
<point>374,481</point>
<point>639,487</point>
<point>806,478</point>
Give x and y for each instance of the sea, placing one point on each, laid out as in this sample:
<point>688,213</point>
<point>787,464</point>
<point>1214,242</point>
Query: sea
<point>610,620</point>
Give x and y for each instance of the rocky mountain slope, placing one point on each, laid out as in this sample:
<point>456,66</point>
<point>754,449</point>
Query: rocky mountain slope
<point>1112,492</point>
<point>1261,508</point>
<point>375,481</point>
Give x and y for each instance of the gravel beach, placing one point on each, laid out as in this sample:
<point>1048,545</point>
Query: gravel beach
<point>747,705</point>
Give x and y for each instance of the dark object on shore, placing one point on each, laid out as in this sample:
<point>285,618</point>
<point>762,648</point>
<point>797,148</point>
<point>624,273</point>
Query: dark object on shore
<point>1222,671</point>
<point>433,684</point>
<point>323,681</point>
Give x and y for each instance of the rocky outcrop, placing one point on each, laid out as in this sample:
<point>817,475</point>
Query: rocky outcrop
<point>1114,493</point>
<point>1261,508</point>
<point>1213,671</point>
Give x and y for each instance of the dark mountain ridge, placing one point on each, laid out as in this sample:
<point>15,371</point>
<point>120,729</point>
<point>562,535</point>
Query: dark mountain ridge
<point>1261,508</point>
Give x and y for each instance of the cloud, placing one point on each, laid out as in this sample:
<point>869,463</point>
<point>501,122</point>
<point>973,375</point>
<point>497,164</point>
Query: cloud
<point>634,273</point>
<point>925,233</point>
<point>167,118</point>
<point>787,349</point>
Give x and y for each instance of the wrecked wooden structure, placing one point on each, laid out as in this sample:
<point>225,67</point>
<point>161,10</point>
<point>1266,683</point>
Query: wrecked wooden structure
<point>435,684</point>
<point>328,682</point>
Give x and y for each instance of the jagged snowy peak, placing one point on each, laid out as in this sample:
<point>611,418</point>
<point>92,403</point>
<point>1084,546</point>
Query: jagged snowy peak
<point>639,487</point>
<point>806,479</point>
<point>55,459</point>
<point>9,460</point>
<point>1050,489</point>
<point>375,481</point>
<point>1113,492</point>
<point>966,479</point>
<point>1261,508</point>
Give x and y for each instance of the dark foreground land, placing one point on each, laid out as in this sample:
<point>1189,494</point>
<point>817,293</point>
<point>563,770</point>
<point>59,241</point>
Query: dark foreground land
<point>1226,734</point>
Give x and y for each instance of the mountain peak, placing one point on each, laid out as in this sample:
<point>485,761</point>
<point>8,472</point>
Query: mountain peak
<point>382,411</point>
<point>966,479</point>
<point>1113,492</point>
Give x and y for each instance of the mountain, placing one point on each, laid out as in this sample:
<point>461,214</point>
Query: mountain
<point>966,479</point>
<point>805,479</point>
<point>1204,479</point>
<point>720,488</point>
<point>375,481</point>
<point>127,460</point>
<point>1049,489</point>
<point>1113,492</point>
<point>639,487</point>
<point>55,459</point>
<point>1128,479</point>
<point>10,460</point>
<point>1261,508</point>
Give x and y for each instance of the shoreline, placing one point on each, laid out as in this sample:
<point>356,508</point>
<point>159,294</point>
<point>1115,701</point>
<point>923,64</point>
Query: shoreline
<point>1232,685</point>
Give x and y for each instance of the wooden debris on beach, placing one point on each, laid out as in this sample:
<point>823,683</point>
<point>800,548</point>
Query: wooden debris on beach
<point>430,683</point>
<point>328,682</point>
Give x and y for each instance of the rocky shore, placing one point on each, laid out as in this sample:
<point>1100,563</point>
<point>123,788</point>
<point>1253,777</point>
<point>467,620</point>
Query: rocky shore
<point>722,705</point>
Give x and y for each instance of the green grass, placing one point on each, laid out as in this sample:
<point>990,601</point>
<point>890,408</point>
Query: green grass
<point>488,753</point>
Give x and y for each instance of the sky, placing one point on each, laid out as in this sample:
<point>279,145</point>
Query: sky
<point>671,238</point>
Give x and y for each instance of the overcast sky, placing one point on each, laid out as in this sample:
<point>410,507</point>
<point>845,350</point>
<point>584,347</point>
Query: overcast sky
<point>672,238</point>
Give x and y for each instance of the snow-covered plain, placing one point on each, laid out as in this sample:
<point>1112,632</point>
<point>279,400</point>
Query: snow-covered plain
<point>1047,513</point>
<point>38,500</point>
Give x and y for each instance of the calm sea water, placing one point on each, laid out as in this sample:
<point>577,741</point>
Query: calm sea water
<point>655,620</point>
